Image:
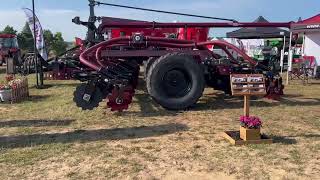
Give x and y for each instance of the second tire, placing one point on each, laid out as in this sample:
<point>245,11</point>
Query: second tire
<point>175,81</point>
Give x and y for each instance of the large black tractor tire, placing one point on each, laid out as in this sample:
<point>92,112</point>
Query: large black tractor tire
<point>147,64</point>
<point>175,81</point>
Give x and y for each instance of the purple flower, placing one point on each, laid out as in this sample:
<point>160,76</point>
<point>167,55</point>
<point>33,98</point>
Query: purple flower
<point>250,122</point>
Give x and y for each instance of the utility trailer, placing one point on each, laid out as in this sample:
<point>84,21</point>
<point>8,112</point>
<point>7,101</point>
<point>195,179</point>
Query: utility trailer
<point>177,61</point>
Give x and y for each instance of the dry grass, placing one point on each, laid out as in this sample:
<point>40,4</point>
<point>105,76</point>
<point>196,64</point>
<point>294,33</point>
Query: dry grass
<point>47,137</point>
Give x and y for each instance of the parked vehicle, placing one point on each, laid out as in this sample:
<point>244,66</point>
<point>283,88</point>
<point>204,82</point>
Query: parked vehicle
<point>9,48</point>
<point>177,61</point>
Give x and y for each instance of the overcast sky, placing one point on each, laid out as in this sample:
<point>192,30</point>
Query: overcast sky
<point>56,15</point>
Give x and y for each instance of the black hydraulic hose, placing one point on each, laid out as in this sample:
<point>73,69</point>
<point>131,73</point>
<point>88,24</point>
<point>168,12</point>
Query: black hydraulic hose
<point>62,54</point>
<point>165,12</point>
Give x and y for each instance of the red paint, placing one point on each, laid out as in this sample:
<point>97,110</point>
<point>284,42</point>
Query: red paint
<point>198,32</point>
<point>313,20</point>
<point>7,36</point>
<point>195,34</point>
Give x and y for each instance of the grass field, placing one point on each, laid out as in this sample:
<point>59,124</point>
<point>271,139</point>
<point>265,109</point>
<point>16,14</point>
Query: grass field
<point>48,137</point>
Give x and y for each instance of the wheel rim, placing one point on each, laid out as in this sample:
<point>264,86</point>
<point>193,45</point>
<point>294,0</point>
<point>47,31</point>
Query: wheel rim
<point>176,83</point>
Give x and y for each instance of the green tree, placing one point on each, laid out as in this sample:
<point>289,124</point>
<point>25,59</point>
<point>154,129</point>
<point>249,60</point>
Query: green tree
<point>48,39</point>
<point>25,39</point>
<point>54,43</point>
<point>59,46</point>
<point>9,30</point>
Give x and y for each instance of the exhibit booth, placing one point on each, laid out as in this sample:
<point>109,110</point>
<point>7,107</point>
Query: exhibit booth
<point>309,29</point>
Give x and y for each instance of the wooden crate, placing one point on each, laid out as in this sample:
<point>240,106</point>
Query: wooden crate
<point>21,92</point>
<point>249,134</point>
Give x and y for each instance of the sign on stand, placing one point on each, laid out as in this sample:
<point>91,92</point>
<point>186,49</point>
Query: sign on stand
<point>247,85</point>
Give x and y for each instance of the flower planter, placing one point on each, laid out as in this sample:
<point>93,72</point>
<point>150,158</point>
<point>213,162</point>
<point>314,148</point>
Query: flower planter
<point>5,95</point>
<point>249,134</point>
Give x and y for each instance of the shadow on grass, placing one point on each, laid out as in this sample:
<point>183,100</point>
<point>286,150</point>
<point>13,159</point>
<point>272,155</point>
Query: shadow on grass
<point>44,87</point>
<point>283,140</point>
<point>302,102</point>
<point>37,98</point>
<point>84,136</point>
<point>224,102</point>
<point>215,101</point>
<point>292,95</point>
<point>149,108</point>
<point>35,123</point>
<point>291,139</point>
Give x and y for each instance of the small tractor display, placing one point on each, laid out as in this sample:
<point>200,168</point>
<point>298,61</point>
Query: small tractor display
<point>9,48</point>
<point>177,62</point>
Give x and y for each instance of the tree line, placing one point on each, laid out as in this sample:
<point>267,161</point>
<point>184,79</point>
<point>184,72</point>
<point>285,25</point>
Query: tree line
<point>55,43</point>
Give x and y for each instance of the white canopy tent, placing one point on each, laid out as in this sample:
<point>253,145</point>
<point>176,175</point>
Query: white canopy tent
<point>310,28</point>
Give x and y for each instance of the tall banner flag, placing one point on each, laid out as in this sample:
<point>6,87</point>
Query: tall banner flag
<point>39,33</point>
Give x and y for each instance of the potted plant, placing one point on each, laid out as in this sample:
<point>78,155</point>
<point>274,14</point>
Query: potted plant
<point>5,92</point>
<point>250,128</point>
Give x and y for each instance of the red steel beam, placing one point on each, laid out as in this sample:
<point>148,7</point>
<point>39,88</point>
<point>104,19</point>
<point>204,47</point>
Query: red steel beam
<point>192,24</point>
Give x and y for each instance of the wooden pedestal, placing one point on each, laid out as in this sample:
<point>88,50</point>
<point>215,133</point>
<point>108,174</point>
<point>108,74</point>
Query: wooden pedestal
<point>234,138</point>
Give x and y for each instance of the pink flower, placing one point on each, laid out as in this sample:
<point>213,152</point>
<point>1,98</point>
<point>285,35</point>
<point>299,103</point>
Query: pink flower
<point>250,122</point>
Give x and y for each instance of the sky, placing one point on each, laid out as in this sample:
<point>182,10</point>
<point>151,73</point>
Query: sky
<point>56,15</point>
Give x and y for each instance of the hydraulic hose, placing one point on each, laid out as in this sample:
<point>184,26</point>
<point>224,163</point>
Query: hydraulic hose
<point>93,63</point>
<point>96,63</point>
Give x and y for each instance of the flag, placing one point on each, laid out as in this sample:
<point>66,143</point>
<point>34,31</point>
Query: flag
<point>39,33</point>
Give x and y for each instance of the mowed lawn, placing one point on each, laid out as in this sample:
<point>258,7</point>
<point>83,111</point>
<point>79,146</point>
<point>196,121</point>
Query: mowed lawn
<point>48,137</point>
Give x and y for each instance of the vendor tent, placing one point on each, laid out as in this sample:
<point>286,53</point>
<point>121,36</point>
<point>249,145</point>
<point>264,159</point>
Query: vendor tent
<point>310,28</point>
<point>309,25</point>
<point>259,32</point>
